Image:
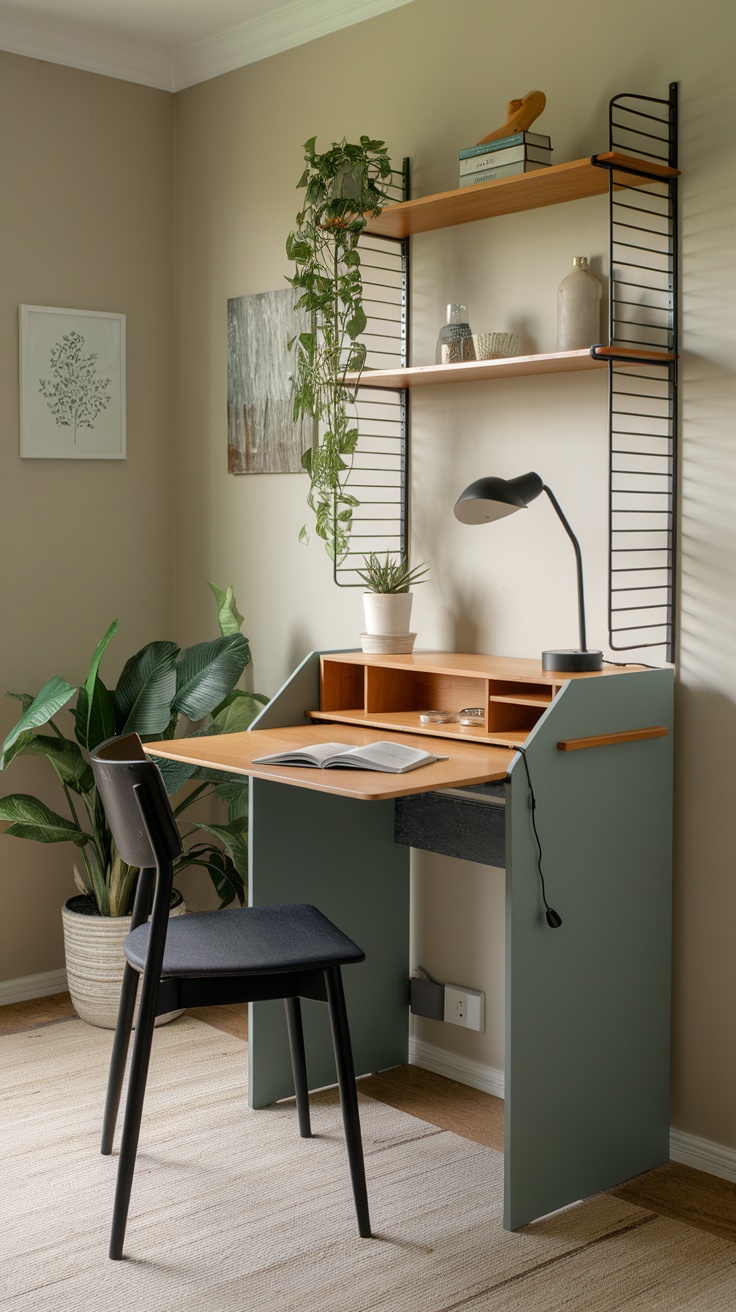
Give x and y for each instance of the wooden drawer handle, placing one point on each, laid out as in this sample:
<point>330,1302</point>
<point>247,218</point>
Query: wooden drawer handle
<point>606,739</point>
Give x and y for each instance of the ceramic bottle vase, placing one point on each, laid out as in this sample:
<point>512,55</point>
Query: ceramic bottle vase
<point>578,308</point>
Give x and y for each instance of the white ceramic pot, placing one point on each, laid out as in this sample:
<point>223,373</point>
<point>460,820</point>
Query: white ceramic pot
<point>93,946</point>
<point>387,612</point>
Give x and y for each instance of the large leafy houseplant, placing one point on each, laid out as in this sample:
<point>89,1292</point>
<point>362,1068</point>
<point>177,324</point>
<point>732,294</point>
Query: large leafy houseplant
<point>158,684</point>
<point>343,187</point>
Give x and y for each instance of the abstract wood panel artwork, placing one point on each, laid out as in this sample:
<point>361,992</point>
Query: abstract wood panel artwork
<point>263,436</point>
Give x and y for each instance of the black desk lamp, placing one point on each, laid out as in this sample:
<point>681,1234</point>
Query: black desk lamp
<point>492,498</point>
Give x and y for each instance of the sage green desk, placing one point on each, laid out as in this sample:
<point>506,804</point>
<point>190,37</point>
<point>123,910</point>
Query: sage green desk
<point>587,1005</point>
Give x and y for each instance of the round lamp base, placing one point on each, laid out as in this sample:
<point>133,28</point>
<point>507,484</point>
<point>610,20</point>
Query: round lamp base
<point>572,662</point>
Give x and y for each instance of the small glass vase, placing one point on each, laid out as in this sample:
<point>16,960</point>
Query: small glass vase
<point>455,340</point>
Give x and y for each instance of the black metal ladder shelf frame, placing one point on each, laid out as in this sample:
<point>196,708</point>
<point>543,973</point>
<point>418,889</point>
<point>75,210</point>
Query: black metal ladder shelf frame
<point>379,473</point>
<point>642,374</point>
<point>642,389</point>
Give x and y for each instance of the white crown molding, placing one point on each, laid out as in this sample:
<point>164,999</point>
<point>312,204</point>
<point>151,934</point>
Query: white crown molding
<point>287,26</point>
<point>59,44</point>
<point>290,25</point>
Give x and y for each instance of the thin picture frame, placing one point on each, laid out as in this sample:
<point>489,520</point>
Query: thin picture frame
<point>72,384</point>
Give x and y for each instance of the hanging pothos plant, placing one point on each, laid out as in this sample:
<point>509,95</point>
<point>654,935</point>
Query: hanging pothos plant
<point>344,187</point>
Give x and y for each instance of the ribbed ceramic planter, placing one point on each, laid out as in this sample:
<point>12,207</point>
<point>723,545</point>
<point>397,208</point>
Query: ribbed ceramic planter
<point>94,963</point>
<point>387,612</point>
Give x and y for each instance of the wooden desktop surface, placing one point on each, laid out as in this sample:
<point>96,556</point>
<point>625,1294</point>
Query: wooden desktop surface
<point>467,763</point>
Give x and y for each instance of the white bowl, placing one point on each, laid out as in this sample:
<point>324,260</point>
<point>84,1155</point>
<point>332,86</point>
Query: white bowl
<point>495,346</point>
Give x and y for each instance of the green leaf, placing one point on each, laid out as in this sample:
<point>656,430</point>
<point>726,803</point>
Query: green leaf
<point>95,721</point>
<point>228,616</point>
<point>93,718</point>
<point>26,817</point>
<point>66,758</point>
<point>233,838</point>
<point>146,689</point>
<point>229,883</point>
<point>207,672</point>
<point>175,774</point>
<point>238,711</point>
<point>25,698</point>
<point>356,325</point>
<point>54,694</point>
<point>233,790</point>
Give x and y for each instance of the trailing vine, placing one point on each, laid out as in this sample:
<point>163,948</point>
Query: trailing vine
<point>344,186</point>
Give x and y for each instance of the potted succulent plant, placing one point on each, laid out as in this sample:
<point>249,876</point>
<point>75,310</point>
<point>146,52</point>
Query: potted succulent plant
<point>158,684</point>
<point>387,602</point>
<point>344,186</point>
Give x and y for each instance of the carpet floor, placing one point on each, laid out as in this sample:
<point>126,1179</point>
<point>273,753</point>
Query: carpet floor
<point>232,1211</point>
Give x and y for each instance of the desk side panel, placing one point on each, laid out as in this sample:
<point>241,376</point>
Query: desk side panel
<point>339,854</point>
<point>588,1004</point>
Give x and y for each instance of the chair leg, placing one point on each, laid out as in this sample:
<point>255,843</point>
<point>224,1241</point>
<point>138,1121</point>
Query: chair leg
<point>131,1122</point>
<point>123,1027</point>
<point>348,1095</point>
<point>293,1010</point>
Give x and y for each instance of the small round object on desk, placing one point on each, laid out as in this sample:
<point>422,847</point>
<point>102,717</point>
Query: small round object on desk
<point>471,715</point>
<point>436,717</point>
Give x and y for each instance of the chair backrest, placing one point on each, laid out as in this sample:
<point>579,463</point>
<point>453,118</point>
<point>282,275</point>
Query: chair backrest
<point>136,805</point>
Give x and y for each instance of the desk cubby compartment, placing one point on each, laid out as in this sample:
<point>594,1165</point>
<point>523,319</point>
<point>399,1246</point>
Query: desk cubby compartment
<point>342,686</point>
<point>392,695</point>
<point>514,708</point>
<point>409,692</point>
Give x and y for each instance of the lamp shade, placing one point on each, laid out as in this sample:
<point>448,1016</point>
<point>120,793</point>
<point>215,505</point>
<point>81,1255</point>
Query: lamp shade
<point>491,498</point>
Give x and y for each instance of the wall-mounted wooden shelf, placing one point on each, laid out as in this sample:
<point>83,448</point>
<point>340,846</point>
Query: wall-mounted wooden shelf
<point>472,371</point>
<point>574,180</point>
<point>517,366</point>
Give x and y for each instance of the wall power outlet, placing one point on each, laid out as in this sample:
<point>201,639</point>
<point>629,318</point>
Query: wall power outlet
<point>465,1007</point>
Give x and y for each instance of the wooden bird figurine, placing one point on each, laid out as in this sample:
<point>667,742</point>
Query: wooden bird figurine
<point>520,114</point>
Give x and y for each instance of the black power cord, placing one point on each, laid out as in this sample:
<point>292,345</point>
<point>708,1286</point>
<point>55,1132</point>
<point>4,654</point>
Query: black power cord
<point>553,918</point>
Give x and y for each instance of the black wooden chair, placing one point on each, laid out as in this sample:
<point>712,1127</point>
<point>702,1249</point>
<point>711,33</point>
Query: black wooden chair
<point>207,958</point>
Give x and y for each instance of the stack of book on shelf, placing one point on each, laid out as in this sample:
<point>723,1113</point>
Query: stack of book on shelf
<point>519,153</point>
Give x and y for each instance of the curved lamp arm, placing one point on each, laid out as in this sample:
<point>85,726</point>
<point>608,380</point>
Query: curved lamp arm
<point>492,498</point>
<point>578,561</point>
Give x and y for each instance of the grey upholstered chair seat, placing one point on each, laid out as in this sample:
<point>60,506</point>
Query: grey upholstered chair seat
<point>256,941</point>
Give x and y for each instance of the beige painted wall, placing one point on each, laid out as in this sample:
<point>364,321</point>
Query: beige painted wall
<point>431,77</point>
<point>85,222</point>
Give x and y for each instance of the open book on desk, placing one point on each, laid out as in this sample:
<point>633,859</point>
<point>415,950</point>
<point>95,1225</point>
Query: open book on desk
<point>393,758</point>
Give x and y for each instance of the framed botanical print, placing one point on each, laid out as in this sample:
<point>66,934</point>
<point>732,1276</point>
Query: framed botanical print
<point>72,384</point>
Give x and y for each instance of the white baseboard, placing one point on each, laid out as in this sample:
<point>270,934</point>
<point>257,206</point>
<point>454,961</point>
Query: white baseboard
<point>703,1155</point>
<point>688,1149</point>
<point>32,986</point>
<point>462,1069</point>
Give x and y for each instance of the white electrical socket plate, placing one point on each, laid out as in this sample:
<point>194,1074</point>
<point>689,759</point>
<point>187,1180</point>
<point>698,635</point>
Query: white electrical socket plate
<point>466,1007</point>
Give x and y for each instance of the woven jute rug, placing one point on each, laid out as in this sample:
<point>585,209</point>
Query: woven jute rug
<point>232,1212</point>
